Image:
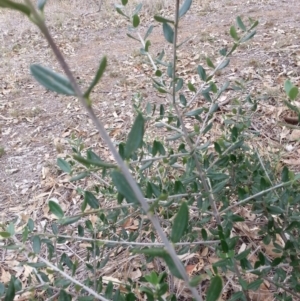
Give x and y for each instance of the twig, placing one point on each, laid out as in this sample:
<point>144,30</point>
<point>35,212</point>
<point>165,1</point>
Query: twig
<point>129,243</point>
<point>255,195</point>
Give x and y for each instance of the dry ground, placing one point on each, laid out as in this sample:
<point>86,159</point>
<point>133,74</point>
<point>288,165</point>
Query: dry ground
<point>35,125</point>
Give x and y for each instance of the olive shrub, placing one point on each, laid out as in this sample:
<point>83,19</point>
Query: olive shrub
<point>185,192</point>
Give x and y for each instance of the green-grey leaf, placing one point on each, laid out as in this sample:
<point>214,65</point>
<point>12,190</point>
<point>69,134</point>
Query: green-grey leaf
<point>123,187</point>
<point>135,137</point>
<point>98,76</point>
<point>147,45</point>
<point>119,11</point>
<point>255,284</point>
<point>16,6</point>
<point>233,33</point>
<point>224,64</point>
<point>69,220</point>
<point>179,84</point>
<point>215,289</point>
<point>63,165</point>
<point>148,32</point>
<point>182,99</point>
<point>88,162</point>
<point>51,80</point>
<point>91,200</point>
<point>135,21</point>
<point>254,25</point>
<point>124,2</point>
<point>201,72</point>
<point>194,112</point>
<point>162,253</point>
<point>240,23</point>
<point>41,4</point>
<point>5,234</point>
<point>36,244</point>
<point>180,223</point>
<point>209,63</point>
<point>248,36</point>
<point>161,19</point>
<point>132,37</point>
<point>293,93</point>
<point>184,8</point>
<point>288,86</point>
<point>191,87</point>
<point>80,176</point>
<point>137,9</point>
<point>56,209</point>
<point>168,32</point>
<point>10,292</point>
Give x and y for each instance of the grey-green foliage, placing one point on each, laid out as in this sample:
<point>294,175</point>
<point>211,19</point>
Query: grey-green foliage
<point>194,188</point>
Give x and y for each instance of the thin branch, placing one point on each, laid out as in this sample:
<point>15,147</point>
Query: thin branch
<point>255,195</point>
<point>147,53</point>
<point>186,135</point>
<point>171,127</point>
<point>129,243</point>
<point>283,287</point>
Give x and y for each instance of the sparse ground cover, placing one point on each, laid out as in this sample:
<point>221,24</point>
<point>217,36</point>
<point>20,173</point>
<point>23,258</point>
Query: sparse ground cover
<point>37,126</point>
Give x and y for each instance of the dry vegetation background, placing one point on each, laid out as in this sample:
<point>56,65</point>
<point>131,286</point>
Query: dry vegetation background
<point>35,125</point>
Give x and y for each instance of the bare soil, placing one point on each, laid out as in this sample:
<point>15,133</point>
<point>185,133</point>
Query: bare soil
<point>36,125</point>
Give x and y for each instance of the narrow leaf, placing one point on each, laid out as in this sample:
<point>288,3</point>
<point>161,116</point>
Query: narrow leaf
<point>135,21</point>
<point>215,289</point>
<point>10,292</point>
<point>179,84</point>
<point>63,165</point>
<point>132,37</point>
<point>56,209</point>
<point>248,36</point>
<point>209,63</point>
<point>233,33</point>
<point>191,87</point>
<point>51,80</point>
<point>184,8</point>
<point>285,174</point>
<point>147,45</point>
<point>91,200</point>
<point>240,24</point>
<point>41,4</point>
<point>180,223</point>
<point>288,86</point>
<point>97,78</point>
<point>80,176</point>
<point>69,220</point>
<point>5,234</point>
<point>168,32</point>
<point>182,100</point>
<point>149,31</point>
<point>36,244</point>
<point>223,64</point>
<point>135,137</point>
<point>293,93</point>
<point>16,6</point>
<point>161,19</point>
<point>162,253</point>
<point>88,162</point>
<point>119,11</point>
<point>201,72</point>
<point>123,187</point>
<point>137,9</point>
